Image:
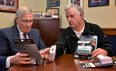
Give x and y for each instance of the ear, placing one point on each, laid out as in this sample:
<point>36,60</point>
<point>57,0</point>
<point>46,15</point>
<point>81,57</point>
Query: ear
<point>81,15</point>
<point>16,20</point>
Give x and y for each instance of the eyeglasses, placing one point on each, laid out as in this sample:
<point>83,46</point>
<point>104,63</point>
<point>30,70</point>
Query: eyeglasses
<point>26,21</point>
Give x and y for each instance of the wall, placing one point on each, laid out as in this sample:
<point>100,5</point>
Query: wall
<point>104,16</point>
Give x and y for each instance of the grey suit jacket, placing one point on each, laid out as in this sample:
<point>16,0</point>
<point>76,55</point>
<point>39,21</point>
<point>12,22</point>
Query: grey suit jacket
<point>8,46</point>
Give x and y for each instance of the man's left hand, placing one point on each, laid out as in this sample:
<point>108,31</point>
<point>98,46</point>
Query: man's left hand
<point>45,54</point>
<point>98,51</point>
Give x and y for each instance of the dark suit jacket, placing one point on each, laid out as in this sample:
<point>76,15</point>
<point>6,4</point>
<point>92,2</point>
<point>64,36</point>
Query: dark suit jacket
<point>8,46</point>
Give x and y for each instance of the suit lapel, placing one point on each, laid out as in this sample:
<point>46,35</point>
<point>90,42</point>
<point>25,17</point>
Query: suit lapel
<point>30,34</point>
<point>15,32</point>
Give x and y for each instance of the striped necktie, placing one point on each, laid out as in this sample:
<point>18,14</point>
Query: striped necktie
<point>24,35</point>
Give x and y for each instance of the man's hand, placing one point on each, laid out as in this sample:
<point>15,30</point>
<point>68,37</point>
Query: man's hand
<point>45,54</point>
<point>98,51</point>
<point>20,58</point>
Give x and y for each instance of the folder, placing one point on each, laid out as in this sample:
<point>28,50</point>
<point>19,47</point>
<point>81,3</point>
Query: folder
<point>28,46</point>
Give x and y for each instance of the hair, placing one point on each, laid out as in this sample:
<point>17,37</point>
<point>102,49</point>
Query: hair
<point>23,10</point>
<point>77,8</point>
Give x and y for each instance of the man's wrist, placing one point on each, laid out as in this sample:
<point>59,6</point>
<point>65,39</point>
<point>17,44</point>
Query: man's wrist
<point>11,60</point>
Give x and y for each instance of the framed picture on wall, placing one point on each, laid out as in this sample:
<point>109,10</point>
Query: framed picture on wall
<point>94,3</point>
<point>54,12</point>
<point>115,2</point>
<point>8,5</point>
<point>75,1</point>
<point>79,2</point>
<point>53,3</point>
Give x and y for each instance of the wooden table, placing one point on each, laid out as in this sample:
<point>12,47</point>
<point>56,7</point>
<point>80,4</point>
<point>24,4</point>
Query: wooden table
<point>63,63</point>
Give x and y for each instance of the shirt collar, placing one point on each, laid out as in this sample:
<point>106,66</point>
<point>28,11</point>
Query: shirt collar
<point>78,34</point>
<point>20,32</point>
<point>81,30</point>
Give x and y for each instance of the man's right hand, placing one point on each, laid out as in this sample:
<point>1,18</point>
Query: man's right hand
<point>20,58</point>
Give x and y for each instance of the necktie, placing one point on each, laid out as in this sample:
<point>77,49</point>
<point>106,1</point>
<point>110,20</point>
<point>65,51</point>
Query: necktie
<point>24,35</point>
